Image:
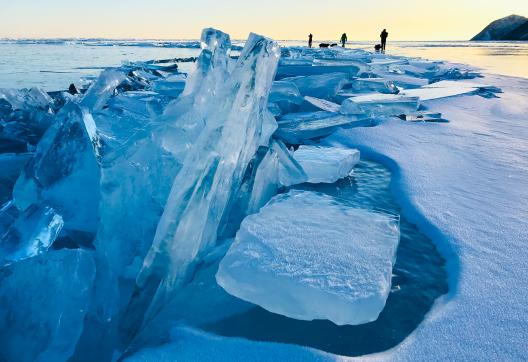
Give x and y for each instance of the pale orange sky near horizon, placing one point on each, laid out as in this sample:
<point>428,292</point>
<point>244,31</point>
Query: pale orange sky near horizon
<point>278,19</point>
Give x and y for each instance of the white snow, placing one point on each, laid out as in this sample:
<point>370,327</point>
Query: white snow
<point>306,256</point>
<point>465,184</point>
<point>326,164</point>
<point>189,344</point>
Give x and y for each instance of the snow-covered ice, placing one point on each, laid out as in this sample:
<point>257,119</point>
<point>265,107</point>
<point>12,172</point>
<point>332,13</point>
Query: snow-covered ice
<point>326,164</point>
<point>306,256</point>
<point>464,184</point>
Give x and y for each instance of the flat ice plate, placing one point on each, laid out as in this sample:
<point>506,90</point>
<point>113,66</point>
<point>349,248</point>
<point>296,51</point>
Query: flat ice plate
<point>307,256</point>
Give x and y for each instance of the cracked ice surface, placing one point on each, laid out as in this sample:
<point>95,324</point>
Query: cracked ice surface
<point>329,261</point>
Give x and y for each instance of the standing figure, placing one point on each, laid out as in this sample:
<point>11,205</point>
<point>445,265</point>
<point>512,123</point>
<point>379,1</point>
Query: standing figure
<point>310,37</point>
<point>384,35</point>
<point>343,39</point>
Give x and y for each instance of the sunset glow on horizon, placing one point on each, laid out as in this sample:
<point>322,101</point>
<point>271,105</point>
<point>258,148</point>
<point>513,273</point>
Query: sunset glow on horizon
<point>285,19</point>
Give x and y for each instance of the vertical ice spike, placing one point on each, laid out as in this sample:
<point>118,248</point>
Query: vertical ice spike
<point>213,169</point>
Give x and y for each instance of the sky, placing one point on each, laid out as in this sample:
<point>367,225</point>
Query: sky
<point>278,19</point>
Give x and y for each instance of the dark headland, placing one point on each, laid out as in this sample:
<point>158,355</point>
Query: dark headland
<point>513,27</point>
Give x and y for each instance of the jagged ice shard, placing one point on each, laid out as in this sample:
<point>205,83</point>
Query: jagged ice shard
<point>186,115</point>
<point>64,173</point>
<point>31,234</point>
<point>277,168</point>
<point>213,169</point>
<point>328,261</point>
<point>102,89</point>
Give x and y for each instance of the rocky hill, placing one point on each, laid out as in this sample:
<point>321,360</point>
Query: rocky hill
<point>513,27</point>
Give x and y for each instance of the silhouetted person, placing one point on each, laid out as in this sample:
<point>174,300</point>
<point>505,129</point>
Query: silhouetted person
<point>384,35</point>
<point>343,39</point>
<point>310,37</point>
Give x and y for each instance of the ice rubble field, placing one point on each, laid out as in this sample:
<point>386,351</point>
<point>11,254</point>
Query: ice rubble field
<point>113,198</point>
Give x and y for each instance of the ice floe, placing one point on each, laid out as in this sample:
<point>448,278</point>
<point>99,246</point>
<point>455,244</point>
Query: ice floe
<point>306,256</point>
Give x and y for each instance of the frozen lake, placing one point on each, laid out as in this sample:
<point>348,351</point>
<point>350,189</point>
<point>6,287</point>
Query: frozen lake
<point>53,65</point>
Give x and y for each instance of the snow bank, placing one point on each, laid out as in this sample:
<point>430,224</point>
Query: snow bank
<point>465,185</point>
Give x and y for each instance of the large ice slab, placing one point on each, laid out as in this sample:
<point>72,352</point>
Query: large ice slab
<point>326,164</point>
<point>320,86</point>
<point>295,128</point>
<point>43,301</point>
<point>306,256</point>
<point>286,96</point>
<point>377,104</point>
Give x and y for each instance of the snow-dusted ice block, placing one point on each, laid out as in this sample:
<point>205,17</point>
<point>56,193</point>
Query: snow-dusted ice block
<point>326,164</point>
<point>377,104</point>
<point>31,234</point>
<point>294,128</point>
<point>306,256</point>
